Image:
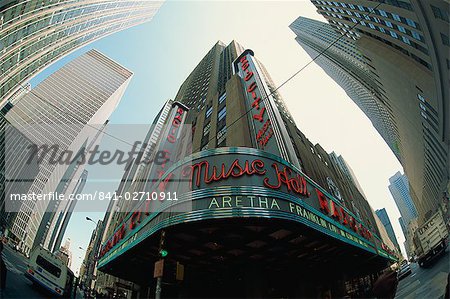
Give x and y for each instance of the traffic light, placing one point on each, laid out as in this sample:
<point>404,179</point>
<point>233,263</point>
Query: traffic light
<point>163,253</point>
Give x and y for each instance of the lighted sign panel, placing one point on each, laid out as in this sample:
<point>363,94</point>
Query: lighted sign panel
<point>173,141</point>
<point>258,104</point>
<point>244,182</point>
<point>267,127</point>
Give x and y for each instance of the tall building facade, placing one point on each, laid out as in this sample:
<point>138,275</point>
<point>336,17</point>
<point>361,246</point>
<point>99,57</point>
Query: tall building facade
<point>343,62</point>
<point>404,45</point>
<point>69,110</point>
<point>347,170</point>
<point>261,201</point>
<point>34,34</point>
<point>384,218</point>
<point>399,188</point>
<point>61,218</point>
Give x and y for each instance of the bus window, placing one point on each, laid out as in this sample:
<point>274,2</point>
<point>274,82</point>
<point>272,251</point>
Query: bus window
<point>47,266</point>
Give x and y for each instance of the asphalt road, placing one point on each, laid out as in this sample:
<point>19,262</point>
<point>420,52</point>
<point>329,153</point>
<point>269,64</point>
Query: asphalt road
<point>421,283</point>
<point>17,285</point>
<point>426,282</point>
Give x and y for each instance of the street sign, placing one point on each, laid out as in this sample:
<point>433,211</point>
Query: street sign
<point>159,269</point>
<point>180,271</point>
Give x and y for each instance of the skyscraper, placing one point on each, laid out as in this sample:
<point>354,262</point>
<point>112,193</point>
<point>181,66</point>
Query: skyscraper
<point>399,188</point>
<point>384,218</point>
<point>343,62</point>
<point>68,110</point>
<point>404,45</point>
<point>61,217</point>
<point>346,170</point>
<point>34,34</point>
<point>258,202</point>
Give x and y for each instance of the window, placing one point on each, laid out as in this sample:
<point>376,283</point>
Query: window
<point>383,13</point>
<point>422,106</point>
<point>221,136</point>
<point>411,23</point>
<point>393,34</point>
<point>406,40</point>
<point>361,8</point>
<point>401,29</point>
<point>48,266</point>
<point>421,98</point>
<point>222,98</point>
<point>222,113</point>
<point>445,40</point>
<point>396,17</point>
<point>416,35</point>
<point>206,129</point>
<point>389,24</point>
<point>440,13</point>
<point>423,114</point>
<point>371,26</point>
<point>209,112</point>
<point>382,29</point>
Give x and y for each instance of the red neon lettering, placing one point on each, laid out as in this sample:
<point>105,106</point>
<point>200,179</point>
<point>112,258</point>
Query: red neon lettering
<point>323,202</point>
<point>235,170</point>
<point>163,185</point>
<point>260,116</point>
<point>255,104</point>
<point>251,87</point>
<point>171,138</point>
<point>335,212</point>
<point>133,219</point>
<point>248,76</point>
<point>283,178</point>
<point>344,217</point>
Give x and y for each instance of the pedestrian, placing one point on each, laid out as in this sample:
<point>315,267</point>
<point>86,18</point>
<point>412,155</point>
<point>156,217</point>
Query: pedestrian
<point>3,272</point>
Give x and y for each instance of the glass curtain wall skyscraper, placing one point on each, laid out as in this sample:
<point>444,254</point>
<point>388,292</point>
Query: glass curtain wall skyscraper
<point>404,45</point>
<point>34,34</point>
<point>69,109</point>
<point>399,188</point>
<point>384,218</point>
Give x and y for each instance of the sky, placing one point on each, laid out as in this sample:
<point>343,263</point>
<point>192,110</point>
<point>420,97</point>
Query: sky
<point>163,52</point>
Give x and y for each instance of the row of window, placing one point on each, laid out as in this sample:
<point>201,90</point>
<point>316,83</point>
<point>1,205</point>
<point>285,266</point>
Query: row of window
<point>370,10</point>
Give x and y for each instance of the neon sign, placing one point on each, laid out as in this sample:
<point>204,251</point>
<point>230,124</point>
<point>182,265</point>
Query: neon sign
<point>256,182</point>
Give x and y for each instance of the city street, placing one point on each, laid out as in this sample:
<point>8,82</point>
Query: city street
<point>17,285</point>
<point>425,282</point>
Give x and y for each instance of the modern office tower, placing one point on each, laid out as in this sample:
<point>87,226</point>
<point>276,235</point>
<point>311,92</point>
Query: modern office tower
<point>383,216</point>
<point>343,62</point>
<point>384,235</point>
<point>259,206</point>
<point>61,218</point>
<point>399,188</point>
<point>34,34</point>
<point>405,46</point>
<point>346,170</point>
<point>68,110</point>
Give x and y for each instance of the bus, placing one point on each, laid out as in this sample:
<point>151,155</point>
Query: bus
<point>48,271</point>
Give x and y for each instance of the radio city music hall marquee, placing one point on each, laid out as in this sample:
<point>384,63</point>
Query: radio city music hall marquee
<point>259,183</point>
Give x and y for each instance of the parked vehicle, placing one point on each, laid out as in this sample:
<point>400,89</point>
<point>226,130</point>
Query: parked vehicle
<point>49,272</point>
<point>431,239</point>
<point>404,271</point>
